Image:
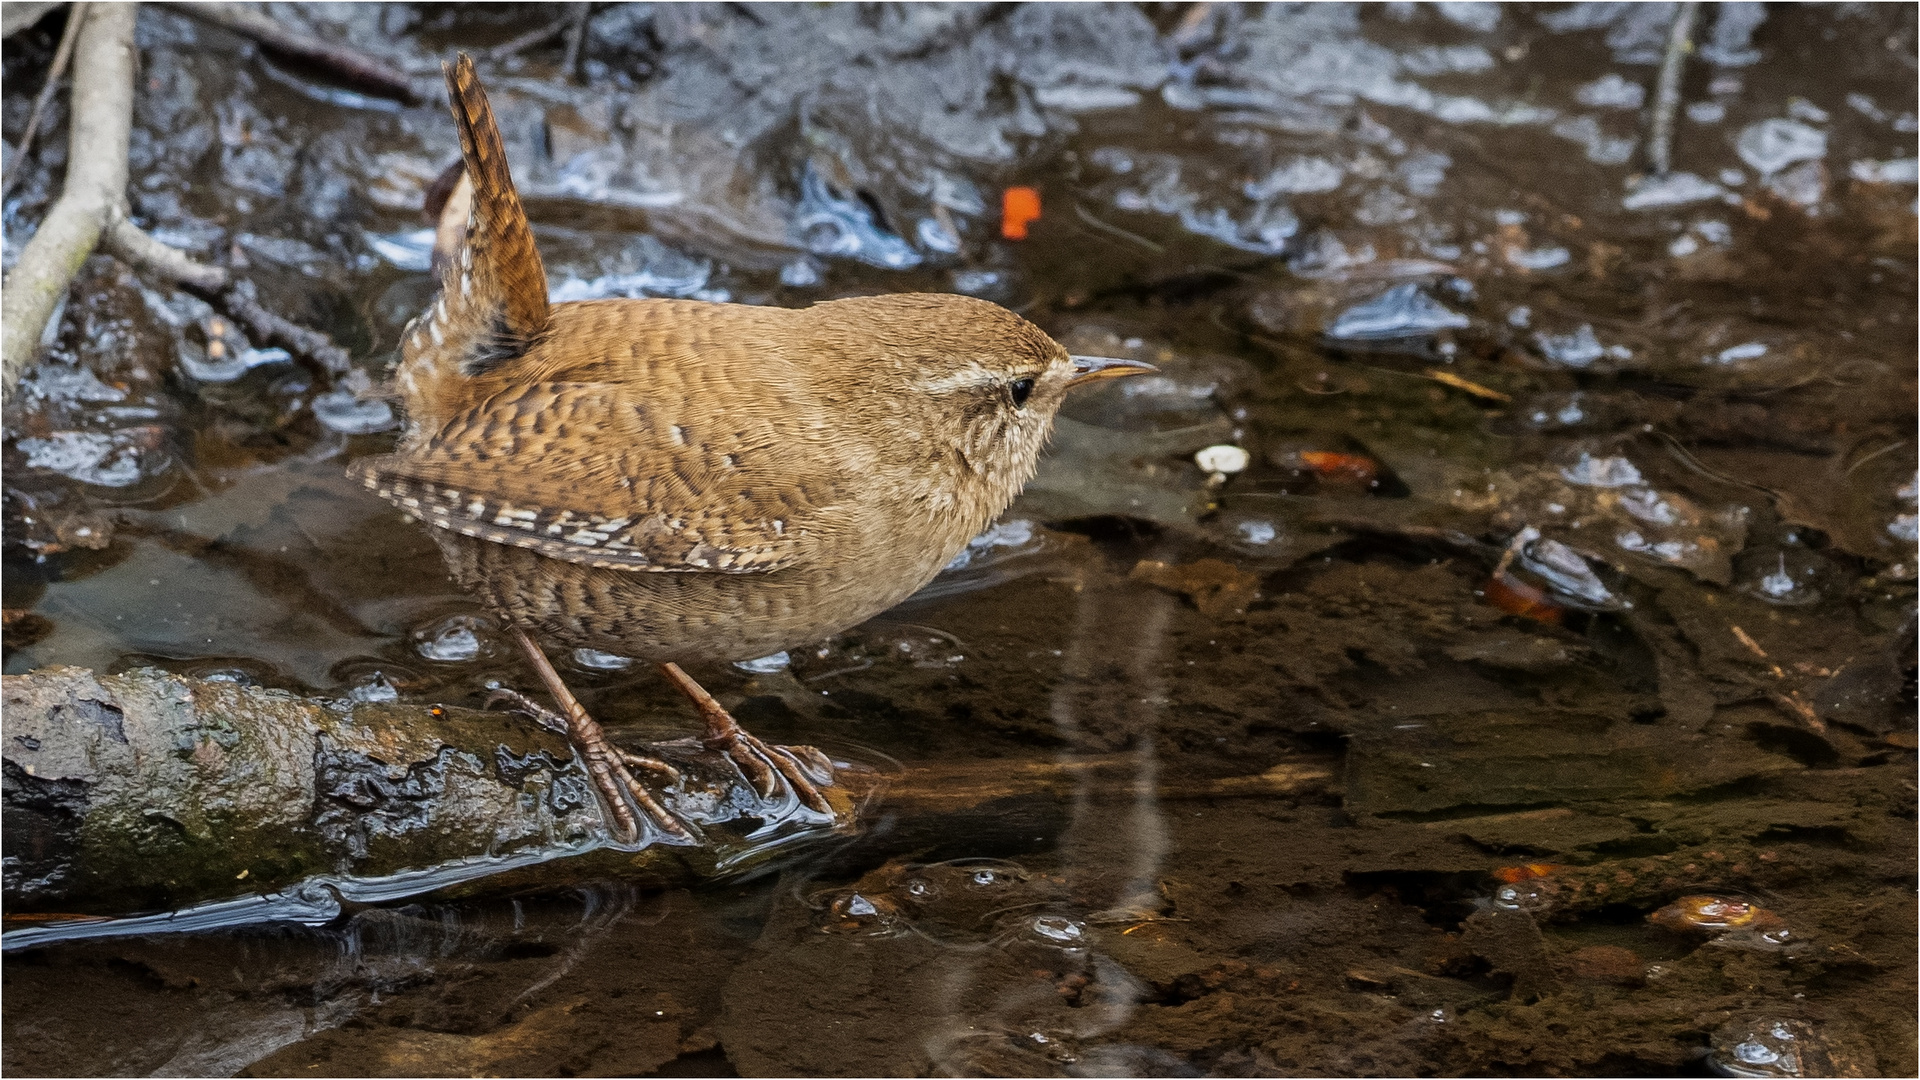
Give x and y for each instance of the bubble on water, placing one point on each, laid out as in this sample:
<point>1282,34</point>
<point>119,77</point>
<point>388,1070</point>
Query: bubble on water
<point>342,411</point>
<point>1904,527</point>
<point>1578,349</point>
<point>595,660</point>
<point>1404,311</point>
<point>452,640</point>
<point>1771,145</point>
<point>1788,574</point>
<point>1059,929</point>
<point>1683,245</point>
<point>1257,532</point>
<point>1603,472</point>
<point>1523,896</point>
<point>920,889</point>
<point>858,913</point>
<point>987,879</point>
<point>374,688</point>
<point>1753,1053</point>
<point>765,665</point>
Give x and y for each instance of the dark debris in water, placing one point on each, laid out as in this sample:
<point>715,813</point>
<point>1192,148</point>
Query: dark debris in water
<point>1567,568</point>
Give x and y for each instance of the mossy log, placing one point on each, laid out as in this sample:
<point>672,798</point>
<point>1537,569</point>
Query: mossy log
<point>219,803</point>
<point>149,791</point>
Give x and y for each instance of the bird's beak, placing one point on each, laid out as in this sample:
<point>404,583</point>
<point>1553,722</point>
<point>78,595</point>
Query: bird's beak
<point>1087,369</point>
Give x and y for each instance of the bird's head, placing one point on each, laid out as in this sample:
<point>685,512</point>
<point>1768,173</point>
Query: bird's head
<point>969,381</point>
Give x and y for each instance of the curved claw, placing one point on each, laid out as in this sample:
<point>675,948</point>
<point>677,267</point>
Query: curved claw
<point>801,770</point>
<point>621,792</point>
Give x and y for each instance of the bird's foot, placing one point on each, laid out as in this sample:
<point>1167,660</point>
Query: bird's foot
<point>776,772</point>
<point>611,769</point>
<point>772,767</point>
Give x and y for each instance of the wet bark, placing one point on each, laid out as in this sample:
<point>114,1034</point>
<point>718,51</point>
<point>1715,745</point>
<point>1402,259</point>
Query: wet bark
<point>149,791</point>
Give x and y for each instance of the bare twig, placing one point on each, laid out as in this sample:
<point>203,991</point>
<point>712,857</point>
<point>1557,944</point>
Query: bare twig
<point>350,64</point>
<point>61,55</point>
<point>96,182</point>
<point>235,298</point>
<point>241,300</point>
<point>1666,95</point>
<point>576,43</point>
<point>540,36</point>
<point>124,241</point>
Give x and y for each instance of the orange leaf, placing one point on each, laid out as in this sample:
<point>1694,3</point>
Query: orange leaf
<point>1019,206</point>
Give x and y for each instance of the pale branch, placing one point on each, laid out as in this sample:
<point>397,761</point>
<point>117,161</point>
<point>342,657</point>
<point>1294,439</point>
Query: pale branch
<point>539,36</point>
<point>350,64</point>
<point>1666,94</point>
<point>125,241</point>
<point>576,43</point>
<point>96,181</point>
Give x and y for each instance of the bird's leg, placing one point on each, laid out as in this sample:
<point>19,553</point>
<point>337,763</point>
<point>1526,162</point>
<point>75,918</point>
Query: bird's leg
<point>802,768</point>
<point>606,763</point>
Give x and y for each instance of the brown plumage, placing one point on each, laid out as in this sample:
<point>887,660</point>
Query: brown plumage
<point>673,480</point>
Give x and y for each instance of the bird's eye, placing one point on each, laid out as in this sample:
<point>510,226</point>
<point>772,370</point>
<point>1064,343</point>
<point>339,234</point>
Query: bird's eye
<point>1021,390</point>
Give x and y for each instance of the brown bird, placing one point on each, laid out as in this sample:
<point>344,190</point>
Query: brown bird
<point>676,480</point>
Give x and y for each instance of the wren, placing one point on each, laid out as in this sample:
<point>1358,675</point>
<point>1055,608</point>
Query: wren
<point>676,480</point>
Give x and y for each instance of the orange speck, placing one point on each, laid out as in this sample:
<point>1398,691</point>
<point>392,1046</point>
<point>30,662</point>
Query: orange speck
<point>1516,597</point>
<point>1508,875</point>
<point>1330,465</point>
<point>1019,207</point>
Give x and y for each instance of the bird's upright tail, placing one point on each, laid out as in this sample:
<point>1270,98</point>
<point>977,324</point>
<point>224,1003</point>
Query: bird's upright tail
<point>492,305</point>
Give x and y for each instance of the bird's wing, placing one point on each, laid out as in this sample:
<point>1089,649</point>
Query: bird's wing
<point>586,472</point>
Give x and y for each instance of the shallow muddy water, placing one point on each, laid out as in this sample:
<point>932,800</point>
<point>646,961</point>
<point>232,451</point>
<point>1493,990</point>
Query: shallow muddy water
<point>1537,699</point>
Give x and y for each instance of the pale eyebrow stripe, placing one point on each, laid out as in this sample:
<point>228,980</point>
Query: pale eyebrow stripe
<point>959,380</point>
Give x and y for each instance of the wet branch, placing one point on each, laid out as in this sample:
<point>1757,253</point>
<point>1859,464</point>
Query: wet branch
<point>236,298</point>
<point>91,213</point>
<point>96,182</point>
<point>348,63</point>
<point>1666,95</point>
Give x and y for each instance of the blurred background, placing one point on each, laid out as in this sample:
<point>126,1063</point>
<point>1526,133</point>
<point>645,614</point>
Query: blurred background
<point>1534,523</point>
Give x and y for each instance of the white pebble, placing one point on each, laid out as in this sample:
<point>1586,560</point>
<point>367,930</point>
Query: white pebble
<point>1225,459</point>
